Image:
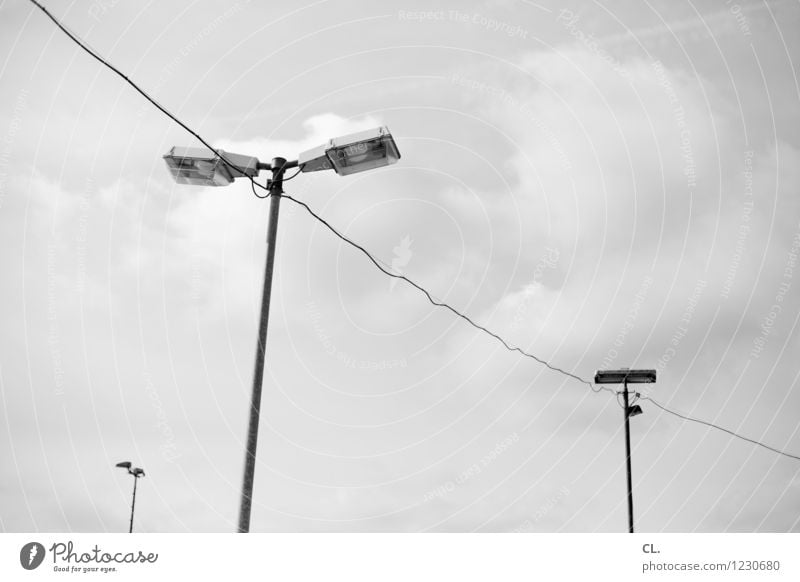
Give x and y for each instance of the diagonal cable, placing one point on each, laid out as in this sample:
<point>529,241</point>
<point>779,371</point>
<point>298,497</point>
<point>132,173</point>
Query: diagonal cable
<point>155,103</point>
<point>437,302</point>
<point>730,432</point>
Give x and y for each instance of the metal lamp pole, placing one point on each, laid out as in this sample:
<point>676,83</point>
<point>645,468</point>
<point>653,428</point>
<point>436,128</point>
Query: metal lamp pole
<point>348,154</point>
<point>624,376</point>
<point>136,472</point>
<point>278,166</point>
<point>628,457</point>
<point>133,502</point>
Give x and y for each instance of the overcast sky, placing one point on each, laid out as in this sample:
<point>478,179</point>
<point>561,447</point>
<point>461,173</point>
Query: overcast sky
<point>603,184</point>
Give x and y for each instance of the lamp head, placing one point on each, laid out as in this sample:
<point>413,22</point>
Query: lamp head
<point>353,153</point>
<point>204,167</point>
<point>625,375</point>
<point>137,472</point>
<point>634,410</point>
<point>124,465</point>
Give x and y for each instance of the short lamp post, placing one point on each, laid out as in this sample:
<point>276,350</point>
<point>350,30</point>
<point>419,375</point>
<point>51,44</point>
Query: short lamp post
<point>625,377</point>
<point>136,472</point>
<point>345,155</point>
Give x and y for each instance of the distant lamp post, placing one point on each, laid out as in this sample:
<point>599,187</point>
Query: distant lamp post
<point>136,472</point>
<point>625,376</point>
<point>349,154</point>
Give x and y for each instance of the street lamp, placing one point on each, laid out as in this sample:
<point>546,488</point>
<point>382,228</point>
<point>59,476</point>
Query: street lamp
<point>136,472</point>
<point>626,376</point>
<point>348,154</point>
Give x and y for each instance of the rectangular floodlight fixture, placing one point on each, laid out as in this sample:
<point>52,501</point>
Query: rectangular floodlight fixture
<point>203,167</point>
<point>350,154</point>
<point>625,375</point>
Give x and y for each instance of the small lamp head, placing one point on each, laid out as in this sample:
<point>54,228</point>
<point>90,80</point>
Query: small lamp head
<point>634,410</point>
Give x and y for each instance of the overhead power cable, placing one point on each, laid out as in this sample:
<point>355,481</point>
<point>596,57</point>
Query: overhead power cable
<point>155,103</point>
<point>730,432</point>
<point>376,262</point>
<point>435,301</point>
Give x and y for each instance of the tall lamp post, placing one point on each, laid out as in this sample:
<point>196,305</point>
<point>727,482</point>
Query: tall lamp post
<point>136,472</point>
<point>625,377</point>
<point>349,154</point>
